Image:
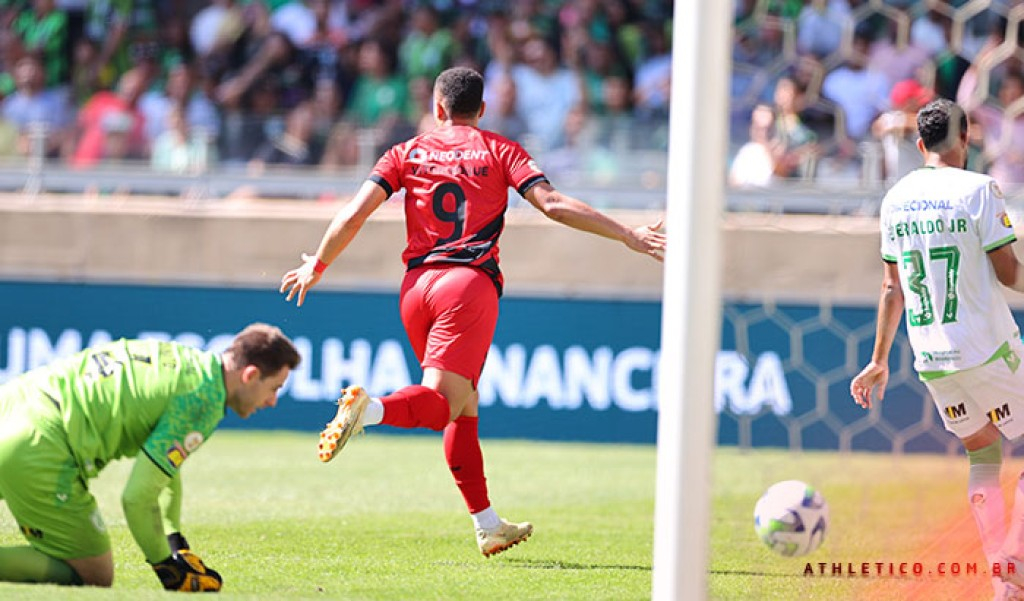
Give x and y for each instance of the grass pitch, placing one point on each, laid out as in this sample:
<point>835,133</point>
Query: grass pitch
<point>385,521</point>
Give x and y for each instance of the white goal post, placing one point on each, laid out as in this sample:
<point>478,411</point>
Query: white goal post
<point>691,305</point>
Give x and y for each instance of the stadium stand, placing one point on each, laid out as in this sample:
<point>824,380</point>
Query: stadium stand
<point>834,81</point>
<point>162,97</point>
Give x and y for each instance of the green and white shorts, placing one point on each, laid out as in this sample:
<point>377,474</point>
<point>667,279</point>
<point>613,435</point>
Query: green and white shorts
<point>991,393</point>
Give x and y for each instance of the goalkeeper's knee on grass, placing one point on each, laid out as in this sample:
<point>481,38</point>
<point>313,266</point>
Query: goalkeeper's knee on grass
<point>184,571</point>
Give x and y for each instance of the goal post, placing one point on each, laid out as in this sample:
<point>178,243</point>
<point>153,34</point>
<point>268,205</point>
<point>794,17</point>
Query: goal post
<point>691,304</point>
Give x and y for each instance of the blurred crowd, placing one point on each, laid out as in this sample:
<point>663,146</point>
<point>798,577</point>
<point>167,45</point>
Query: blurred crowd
<point>826,90</point>
<point>184,85</point>
<point>821,90</point>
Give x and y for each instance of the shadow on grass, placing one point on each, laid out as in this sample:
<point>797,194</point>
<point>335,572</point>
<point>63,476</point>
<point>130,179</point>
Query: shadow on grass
<point>554,564</point>
<point>548,564</point>
<point>751,573</point>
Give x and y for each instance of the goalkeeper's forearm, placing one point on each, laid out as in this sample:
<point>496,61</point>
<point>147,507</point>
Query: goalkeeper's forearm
<point>170,505</point>
<point>142,508</point>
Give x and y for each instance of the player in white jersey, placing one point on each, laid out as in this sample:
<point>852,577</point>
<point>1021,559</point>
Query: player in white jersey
<point>946,248</point>
<point>938,226</point>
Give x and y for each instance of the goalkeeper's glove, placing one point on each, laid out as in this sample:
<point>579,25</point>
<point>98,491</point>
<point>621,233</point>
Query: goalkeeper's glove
<point>176,541</point>
<point>184,570</point>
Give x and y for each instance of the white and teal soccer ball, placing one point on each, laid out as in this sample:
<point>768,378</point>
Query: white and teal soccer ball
<point>791,518</point>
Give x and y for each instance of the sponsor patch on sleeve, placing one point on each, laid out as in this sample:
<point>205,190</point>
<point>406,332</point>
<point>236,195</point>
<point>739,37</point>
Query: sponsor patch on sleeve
<point>176,455</point>
<point>193,440</point>
<point>1005,220</point>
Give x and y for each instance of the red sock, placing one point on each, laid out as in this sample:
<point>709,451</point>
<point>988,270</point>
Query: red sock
<point>462,450</point>
<point>416,407</point>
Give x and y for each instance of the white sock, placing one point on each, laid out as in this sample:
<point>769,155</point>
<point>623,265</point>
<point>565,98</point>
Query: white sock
<point>987,504</point>
<point>1014,544</point>
<point>486,519</point>
<point>374,413</point>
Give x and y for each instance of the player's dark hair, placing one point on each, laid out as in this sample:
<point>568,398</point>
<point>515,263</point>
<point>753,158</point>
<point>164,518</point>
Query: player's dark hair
<point>941,124</point>
<point>461,90</point>
<point>266,347</point>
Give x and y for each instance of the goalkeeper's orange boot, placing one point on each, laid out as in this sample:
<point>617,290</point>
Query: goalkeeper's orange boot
<point>348,421</point>
<point>505,536</point>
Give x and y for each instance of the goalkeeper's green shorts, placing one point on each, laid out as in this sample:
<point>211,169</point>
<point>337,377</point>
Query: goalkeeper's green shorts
<point>40,481</point>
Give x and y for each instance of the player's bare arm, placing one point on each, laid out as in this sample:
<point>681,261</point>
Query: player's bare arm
<point>1009,270</point>
<point>577,214</point>
<point>343,228</point>
<point>875,375</point>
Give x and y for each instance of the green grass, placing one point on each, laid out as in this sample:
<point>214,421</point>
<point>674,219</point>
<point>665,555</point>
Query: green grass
<point>384,521</point>
<point>883,509</point>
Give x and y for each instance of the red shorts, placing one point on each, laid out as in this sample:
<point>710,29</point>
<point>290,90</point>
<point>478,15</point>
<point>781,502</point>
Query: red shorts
<point>449,313</point>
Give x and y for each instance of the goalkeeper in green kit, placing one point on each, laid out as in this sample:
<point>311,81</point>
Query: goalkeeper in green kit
<point>152,400</point>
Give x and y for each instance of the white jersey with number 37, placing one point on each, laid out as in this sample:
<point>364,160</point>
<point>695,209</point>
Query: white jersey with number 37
<point>938,226</point>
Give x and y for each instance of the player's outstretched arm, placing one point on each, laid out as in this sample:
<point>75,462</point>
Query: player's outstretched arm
<point>343,228</point>
<point>579,215</point>
<point>875,376</point>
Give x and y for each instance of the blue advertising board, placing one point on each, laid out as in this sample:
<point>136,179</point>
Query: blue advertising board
<point>559,369</point>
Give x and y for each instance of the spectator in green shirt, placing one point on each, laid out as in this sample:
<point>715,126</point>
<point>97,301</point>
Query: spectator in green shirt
<point>379,90</point>
<point>125,34</point>
<point>429,48</point>
<point>43,31</point>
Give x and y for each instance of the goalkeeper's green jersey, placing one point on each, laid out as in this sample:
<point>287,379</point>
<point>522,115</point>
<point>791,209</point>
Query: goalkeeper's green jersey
<point>162,398</point>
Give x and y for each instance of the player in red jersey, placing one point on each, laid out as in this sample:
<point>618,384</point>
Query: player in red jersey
<point>456,180</point>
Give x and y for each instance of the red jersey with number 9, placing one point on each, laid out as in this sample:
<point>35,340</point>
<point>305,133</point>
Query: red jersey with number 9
<point>456,181</point>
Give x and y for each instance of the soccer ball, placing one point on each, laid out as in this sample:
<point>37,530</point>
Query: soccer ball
<point>791,518</point>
